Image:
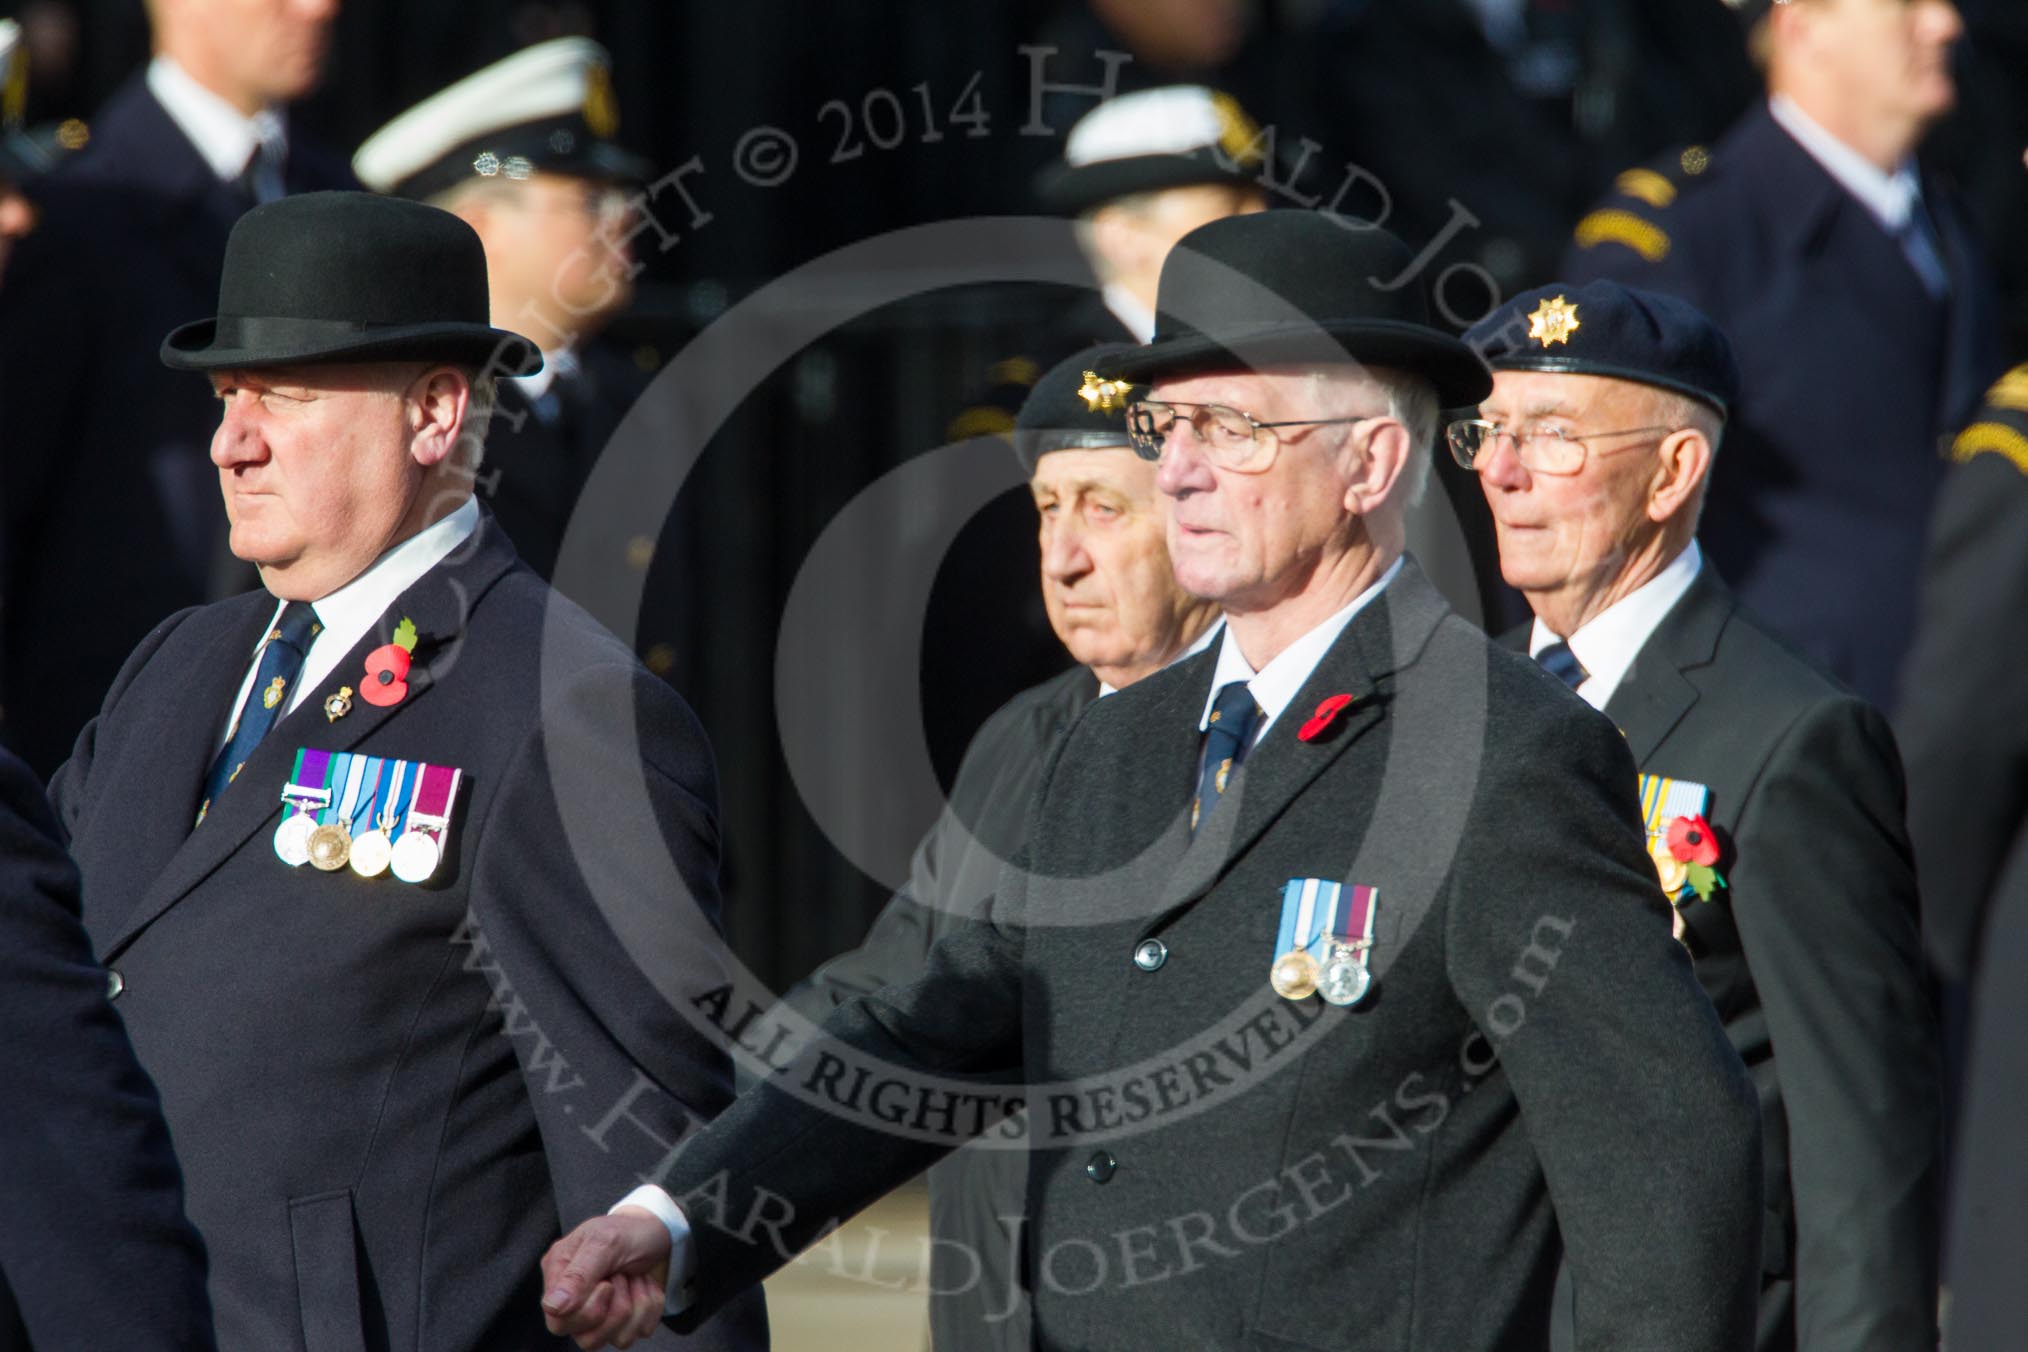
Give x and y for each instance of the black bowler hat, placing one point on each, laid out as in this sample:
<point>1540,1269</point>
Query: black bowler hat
<point>1298,287</point>
<point>1072,408</point>
<point>1606,329</point>
<point>348,276</point>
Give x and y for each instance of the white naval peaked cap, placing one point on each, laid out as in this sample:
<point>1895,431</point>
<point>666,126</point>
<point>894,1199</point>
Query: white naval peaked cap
<point>547,108</point>
<point>1170,137</point>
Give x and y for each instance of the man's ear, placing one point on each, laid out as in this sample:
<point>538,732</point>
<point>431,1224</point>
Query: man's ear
<point>1379,460</point>
<point>1679,472</point>
<point>437,404</point>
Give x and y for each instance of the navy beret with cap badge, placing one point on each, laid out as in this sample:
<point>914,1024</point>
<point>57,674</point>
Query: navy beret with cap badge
<point>1071,407</point>
<point>1603,328</point>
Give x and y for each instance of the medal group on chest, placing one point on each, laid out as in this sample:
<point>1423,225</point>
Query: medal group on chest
<point>375,814</point>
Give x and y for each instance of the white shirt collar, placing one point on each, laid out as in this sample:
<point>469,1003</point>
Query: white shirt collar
<point>561,362</point>
<point>223,135</point>
<point>1607,644</point>
<point>347,614</point>
<point>1128,309</point>
<point>1892,198</point>
<point>1277,683</point>
<point>1197,645</point>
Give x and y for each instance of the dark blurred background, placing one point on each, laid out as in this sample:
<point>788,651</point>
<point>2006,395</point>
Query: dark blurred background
<point>1491,125</point>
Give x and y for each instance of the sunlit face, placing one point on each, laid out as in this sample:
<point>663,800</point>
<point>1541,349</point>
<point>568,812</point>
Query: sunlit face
<point>272,50</point>
<point>1891,54</point>
<point>1106,581</point>
<point>556,242</point>
<point>1570,533</point>
<point>17,218</point>
<point>1249,541</point>
<point>316,469</point>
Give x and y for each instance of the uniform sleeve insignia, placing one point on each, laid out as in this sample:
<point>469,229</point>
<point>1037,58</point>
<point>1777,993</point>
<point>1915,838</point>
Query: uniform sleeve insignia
<point>1553,322</point>
<point>2011,391</point>
<point>1994,438</point>
<point>1103,396</point>
<point>982,420</point>
<point>1648,186</point>
<point>1623,227</point>
<point>601,107</point>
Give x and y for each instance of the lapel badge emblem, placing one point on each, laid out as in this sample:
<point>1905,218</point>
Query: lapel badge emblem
<point>338,704</point>
<point>1103,396</point>
<point>1553,322</point>
<point>386,679</point>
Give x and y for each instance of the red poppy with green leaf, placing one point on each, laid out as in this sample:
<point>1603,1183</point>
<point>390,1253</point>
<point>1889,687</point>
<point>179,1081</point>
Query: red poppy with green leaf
<point>1692,842</point>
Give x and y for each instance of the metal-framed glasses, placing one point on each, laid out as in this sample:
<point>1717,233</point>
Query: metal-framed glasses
<point>1232,438</point>
<point>1541,449</point>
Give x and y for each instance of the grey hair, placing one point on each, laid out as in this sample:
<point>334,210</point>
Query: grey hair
<point>1411,401</point>
<point>479,406</point>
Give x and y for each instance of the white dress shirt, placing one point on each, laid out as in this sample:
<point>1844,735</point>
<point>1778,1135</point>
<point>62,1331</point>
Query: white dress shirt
<point>1277,683</point>
<point>1892,198</point>
<point>1128,309</point>
<point>223,135</point>
<point>347,614</point>
<point>1607,644</point>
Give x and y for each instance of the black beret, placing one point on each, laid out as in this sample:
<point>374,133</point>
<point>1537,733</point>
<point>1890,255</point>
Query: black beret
<point>1069,408</point>
<point>1605,329</point>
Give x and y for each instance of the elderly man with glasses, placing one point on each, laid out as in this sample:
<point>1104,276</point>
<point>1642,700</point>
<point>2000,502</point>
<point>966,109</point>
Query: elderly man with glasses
<point>1772,794</point>
<point>1332,967</point>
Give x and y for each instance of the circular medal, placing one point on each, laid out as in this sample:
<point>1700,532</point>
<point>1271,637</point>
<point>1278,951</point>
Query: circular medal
<point>1294,975</point>
<point>415,856</point>
<point>292,839</point>
<point>1345,980</point>
<point>371,854</point>
<point>329,846</point>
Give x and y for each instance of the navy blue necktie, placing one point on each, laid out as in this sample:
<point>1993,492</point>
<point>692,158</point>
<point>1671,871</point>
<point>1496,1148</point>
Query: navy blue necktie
<point>1559,661</point>
<point>281,662</point>
<point>1225,744</point>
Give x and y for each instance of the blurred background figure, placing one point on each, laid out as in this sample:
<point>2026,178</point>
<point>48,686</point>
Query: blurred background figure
<point>134,228</point>
<point>1859,305</point>
<point>522,150</point>
<point>25,155</point>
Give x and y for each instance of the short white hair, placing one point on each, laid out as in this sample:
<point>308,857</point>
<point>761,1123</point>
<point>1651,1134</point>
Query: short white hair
<point>1411,401</point>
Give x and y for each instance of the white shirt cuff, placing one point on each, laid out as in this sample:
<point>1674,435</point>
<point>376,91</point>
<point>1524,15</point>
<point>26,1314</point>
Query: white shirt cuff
<point>682,1257</point>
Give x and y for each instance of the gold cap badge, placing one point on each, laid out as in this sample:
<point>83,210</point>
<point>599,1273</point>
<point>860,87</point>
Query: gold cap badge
<point>1553,322</point>
<point>1103,396</point>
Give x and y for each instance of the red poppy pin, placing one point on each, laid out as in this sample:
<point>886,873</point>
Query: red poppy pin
<point>1326,714</point>
<point>386,679</point>
<point>1694,845</point>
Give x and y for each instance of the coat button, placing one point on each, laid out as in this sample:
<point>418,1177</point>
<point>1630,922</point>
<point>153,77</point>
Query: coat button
<point>1150,954</point>
<point>115,983</point>
<point>1099,1168</point>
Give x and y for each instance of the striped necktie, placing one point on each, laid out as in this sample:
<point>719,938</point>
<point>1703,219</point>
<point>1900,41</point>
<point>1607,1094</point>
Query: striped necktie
<point>281,661</point>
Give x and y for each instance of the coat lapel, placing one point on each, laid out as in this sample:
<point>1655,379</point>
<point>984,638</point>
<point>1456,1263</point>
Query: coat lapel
<point>1381,640</point>
<point>439,605</point>
<point>1655,694</point>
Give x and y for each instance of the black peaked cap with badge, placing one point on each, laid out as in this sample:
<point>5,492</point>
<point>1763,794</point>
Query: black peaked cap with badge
<point>1282,287</point>
<point>350,276</point>
<point>549,108</point>
<point>1071,407</point>
<point>1604,328</point>
<point>1177,136</point>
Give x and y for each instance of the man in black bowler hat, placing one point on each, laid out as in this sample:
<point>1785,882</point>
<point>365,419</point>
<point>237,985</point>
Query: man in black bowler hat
<point>361,847</point>
<point>1333,962</point>
<point>1594,451</point>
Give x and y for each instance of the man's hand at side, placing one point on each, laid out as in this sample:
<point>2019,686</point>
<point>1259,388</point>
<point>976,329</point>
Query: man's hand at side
<point>606,1282</point>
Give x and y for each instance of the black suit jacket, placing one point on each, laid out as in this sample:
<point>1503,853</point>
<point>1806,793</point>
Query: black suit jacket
<point>1853,374</point>
<point>94,1247</point>
<point>973,1297</point>
<point>1812,957</point>
<point>112,514</point>
<point>387,1096</point>
<point>1214,1166</point>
